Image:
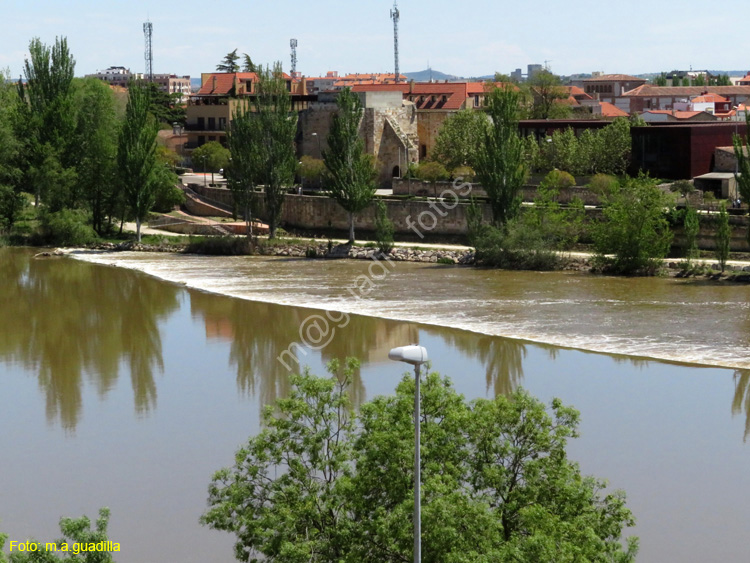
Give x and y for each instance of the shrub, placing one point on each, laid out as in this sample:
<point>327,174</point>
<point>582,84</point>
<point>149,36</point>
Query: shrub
<point>558,179</point>
<point>723,234</point>
<point>68,227</point>
<point>635,234</point>
<point>603,184</point>
<point>445,260</point>
<point>383,228</point>
<point>519,247</point>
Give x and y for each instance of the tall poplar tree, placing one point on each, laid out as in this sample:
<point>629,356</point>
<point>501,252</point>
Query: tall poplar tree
<point>499,160</point>
<point>350,170</point>
<point>243,171</point>
<point>48,123</point>
<point>136,155</point>
<point>275,130</point>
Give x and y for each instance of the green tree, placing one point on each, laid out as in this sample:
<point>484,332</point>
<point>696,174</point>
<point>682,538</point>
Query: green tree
<point>660,80</point>
<point>165,106</point>
<point>211,156</point>
<point>248,65</point>
<point>459,139</point>
<point>432,172</point>
<point>700,80</point>
<point>243,171</point>
<point>311,169</point>
<point>350,169</point>
<point>320,483</point>
<point>547,93</point>
<point>74,531</point>
<point>383,227</point>
<point>723,80</point>
<point>11,198</point>
<point>723,236</point>
<point>96,134</point>
<point>276,128</point>
<point>635,229</point>
<point>499,163</point>
<point>136,155</point>
<point>229,63</point>
<point>686,81</point>
<point>742,175</point>
<point>46,124</point>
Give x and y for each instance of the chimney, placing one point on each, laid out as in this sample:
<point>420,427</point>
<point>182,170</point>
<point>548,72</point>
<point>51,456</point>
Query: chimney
<point>411,86</point>
<point>213,84</point>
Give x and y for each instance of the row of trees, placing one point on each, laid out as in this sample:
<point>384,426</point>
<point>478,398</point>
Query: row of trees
<point>65,143</point>
<point>601,151</point>
<point>261,147</point>
<point>698,80</point>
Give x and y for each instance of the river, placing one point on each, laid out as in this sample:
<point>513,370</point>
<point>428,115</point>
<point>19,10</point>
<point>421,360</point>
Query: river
<point>121,390</point>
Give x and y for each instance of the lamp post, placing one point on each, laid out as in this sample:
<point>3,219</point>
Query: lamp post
<point>320,152</point>
<point>204,157</point>
<point>416,356</point>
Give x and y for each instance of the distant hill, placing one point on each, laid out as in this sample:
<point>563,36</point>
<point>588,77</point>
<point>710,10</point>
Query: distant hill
<point>425,75</point>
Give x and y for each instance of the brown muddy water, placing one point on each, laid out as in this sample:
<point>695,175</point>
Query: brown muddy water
<point>118,389</point>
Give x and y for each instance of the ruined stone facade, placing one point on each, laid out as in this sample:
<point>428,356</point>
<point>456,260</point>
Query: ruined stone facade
<point>389,130</point>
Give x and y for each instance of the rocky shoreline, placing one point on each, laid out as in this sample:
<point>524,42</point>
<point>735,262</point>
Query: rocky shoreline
<point>310,250</point>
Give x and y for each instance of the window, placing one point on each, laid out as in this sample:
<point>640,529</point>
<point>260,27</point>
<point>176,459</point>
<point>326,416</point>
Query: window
<point>222,123</point>
<point>476,100</point>
<point>445,99</point>
<point>422,151</point>
<point>212,124</point>
<point>201,140</point>
<point>201,123</point>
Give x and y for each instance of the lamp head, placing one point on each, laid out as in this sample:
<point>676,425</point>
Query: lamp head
<point>414,355</point>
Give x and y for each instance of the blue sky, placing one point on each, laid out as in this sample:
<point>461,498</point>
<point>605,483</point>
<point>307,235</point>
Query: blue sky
<point>471,38</point>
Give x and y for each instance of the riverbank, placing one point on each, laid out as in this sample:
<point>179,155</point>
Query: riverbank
<point>736,271</point>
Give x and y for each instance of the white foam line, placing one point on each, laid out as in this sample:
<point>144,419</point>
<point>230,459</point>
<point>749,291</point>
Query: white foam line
<point>640,348</point>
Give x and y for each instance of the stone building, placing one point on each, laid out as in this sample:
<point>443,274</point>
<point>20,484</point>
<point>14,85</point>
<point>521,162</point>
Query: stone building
<point>388,127</point>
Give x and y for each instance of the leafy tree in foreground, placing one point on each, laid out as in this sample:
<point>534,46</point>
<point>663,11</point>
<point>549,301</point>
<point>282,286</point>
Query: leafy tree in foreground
<point>136,155</point>
<point>229,63</point>
<point>350,170</point>
<point>635,230</point>
<point>75,532</point>
<point>322,484</point>
<point>499,163</point>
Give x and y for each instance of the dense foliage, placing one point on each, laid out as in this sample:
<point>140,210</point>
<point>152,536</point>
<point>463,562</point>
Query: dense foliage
<point>321,483</point>
<point>350,172</point>
<point>74,531</point>
<point>499,163</point>
<point>635,234</point>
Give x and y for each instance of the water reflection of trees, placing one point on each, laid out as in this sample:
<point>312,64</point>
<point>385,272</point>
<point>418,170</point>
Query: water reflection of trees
<point>65,320</point>
<point>258,333</point>
<point>502,358</point>
<point>741,400</point>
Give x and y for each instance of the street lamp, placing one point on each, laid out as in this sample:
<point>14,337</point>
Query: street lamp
<point>416,356</point>
<point>204,157</point>
<point>320,152</point>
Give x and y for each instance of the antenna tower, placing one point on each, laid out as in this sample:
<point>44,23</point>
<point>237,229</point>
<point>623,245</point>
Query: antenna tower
<point>148,29</point>
<point>395,16</point>
<point>293,45</point>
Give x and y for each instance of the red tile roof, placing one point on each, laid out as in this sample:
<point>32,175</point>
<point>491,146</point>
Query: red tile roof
<point>651,91</point>
<point>709,98</point>
<point>611,110</point>
<point>614,78</point>
<point>220,83</point>
<point>447,95</point>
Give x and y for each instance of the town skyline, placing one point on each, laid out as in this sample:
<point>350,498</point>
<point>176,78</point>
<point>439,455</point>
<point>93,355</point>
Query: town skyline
<point>191,39</point>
